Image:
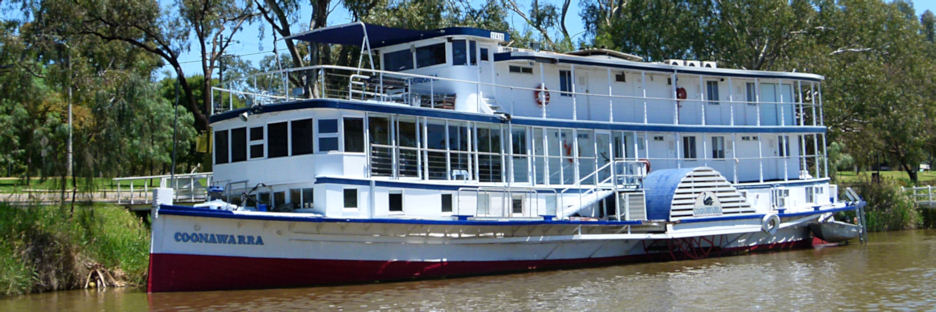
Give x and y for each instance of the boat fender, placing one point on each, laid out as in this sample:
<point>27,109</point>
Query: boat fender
<point>541,89</point>
<point>646,163</point>
<point>770,224</point>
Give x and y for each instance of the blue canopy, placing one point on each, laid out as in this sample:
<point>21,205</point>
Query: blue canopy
<point>379,36</point>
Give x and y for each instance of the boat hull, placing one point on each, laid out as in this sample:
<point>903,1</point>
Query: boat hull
<point>198,249</point>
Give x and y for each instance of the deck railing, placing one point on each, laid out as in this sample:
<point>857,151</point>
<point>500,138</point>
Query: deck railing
<point>922,195</point>
<point>192,187</point>
<point>379,86</point>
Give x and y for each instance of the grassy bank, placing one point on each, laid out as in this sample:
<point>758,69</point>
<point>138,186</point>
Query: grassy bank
<point>850,177</point>
<point>46,248</point>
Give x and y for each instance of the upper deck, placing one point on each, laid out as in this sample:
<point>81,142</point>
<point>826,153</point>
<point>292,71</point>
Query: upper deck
<point>469,70</point>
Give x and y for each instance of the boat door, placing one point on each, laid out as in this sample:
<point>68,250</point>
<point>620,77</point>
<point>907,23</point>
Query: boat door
<point>583,107</point>
<point>484,59</point>
<point>603,155</point>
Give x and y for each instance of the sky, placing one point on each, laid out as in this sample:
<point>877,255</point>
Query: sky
<point>249,46</point>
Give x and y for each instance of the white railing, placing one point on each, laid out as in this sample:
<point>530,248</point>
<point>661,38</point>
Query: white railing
<point>192,187</point>
<point>921,194</point>
<point>349,83</point>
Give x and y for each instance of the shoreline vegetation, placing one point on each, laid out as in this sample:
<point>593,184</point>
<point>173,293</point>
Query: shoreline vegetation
<point>48,248</point>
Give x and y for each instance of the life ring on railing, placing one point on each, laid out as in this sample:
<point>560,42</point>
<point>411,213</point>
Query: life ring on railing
<point>544,99</point>
<point>770,224</point>
<point>681,93</point>
<point>567,147</point>
<point>646,163</point>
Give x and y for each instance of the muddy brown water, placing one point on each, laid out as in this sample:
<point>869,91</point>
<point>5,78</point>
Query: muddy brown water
<point>895,271</point>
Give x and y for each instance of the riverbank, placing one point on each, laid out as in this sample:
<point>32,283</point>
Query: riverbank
<point>46,248</point>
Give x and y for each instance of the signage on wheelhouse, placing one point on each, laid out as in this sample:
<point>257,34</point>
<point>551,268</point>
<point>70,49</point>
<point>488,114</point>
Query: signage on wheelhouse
<point>446,152</point>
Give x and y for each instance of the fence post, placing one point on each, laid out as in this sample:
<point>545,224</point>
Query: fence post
<point>929,191</point>
<point>131,192</point>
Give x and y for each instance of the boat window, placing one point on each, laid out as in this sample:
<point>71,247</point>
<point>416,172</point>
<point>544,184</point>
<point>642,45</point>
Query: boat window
<point>565,83</point>
<point>484,54</point>
<point>277,138</point>
<point>436,155</point>
<point>517,204</point>
<point>718,147</point>
<point>295,198</point>
<point>408,133</point>
<point>784,145</point>
<point>221,147</point>
<point>430,55</point>
<point>238,144</point>
<point>395,200</point>
<point>446,202</point>
<point>458,52</point>
<point>279,201</point>
<point>458,137</point>
<point>379,130</point>
<point>263,199</point>
<point>307,198</point>
<point>620,77</point>
<point>354,135</point>
<point>435,135</point>
<point>711,90</point>
<point>350,198</point>
<point>484,204</point>
<point>586,155</point>
<point>408,157</point>
<point>399,60</point>
<point>302,137</point>
<point>381,150</point>
<point>328,135</point>
<point>539,163</point>
<point>489,154</point>
<point>751,93</point>
<point>256,142</point>
<point>520,69</point>
<point>520,158</point>
<point>689,147</point>
<point>568,149</point>
<point>473,52</point>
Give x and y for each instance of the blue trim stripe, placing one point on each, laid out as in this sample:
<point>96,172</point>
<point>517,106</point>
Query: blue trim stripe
<point>210,213</point>
<point>436,113</point>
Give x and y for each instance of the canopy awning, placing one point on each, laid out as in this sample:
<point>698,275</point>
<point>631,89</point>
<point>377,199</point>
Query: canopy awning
<point>380,36</point>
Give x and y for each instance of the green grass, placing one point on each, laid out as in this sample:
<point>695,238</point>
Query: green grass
<point>901,177</point>
<point>45,248</point>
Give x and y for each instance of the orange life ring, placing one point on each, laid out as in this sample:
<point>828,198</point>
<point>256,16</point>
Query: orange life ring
<point>568,150</point>
<point>541,89</point>
<point>681,93</point>
<point>646,163</point>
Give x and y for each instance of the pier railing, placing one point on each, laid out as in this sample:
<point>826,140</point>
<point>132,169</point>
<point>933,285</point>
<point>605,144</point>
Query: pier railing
<point>190,188</point>
<point>924,196</point>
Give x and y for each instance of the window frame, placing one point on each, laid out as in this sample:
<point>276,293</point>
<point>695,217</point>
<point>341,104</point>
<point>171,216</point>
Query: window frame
<point>718,147</point>
<point>344,135</point>
<point>409,52</point>
<point>251,142</point>
<point>310,137</point>
<point>219,134</point>
<point>402,202</point>
<point>711,92</point>
<point>517,69</point>
<point>286,140</point>
<point>319,135</point>
<point>433,48</point>
<point>345,198</point>
<point>687,153</point>
<point>565,82</point>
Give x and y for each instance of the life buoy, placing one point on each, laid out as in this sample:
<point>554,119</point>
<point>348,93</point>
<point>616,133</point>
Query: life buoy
<point>770,224</point>
<point>544,99</point>
<point>646,163</point>
<point>681,93</point>
<point>568,150</point>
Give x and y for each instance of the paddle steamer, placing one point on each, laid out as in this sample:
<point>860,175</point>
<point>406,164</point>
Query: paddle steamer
<point>449,153</point>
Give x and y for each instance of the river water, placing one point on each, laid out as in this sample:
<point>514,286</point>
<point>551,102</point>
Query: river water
<point>895,271</point>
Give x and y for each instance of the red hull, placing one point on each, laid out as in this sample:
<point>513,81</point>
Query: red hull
<point>179,272</point>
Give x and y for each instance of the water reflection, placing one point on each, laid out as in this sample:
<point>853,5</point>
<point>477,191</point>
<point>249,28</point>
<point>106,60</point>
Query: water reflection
<point>894,271</point>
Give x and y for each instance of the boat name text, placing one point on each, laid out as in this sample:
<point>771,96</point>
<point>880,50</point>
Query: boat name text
<point>212,238</point>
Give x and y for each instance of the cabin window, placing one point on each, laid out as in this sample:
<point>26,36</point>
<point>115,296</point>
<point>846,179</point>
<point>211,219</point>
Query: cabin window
<point>568,152</point>
<point>279,201</point>
<point>718,147</point>
<point>277,138</point>
<point>520,158</point>
<point>520,69</point>
<point>620,77</point>
<point>354,135</point>
<point>458,137</point>
<point>689,147</point>
<point>751,93</point>
<point>399,60</point>
<point>473,52</point>
<point>658,138</point>
<point>221,147</point>
<point>436,143</point>
<point>586,156</point>
<point>302,137</point>
<point>301,198</point>
<point>490,165</point>
<point>350,198</point>
<point>238,144</point>
<point>565,83</point>
<point>263,199</point>
<point>381,149</point>
<point>484,54</point>
<point>328,135</point>
<point>459,55</point>
<point>554,152</point>
<point>408,160</point>
<point>256,142</point>
<point>516,206</point>
<point>783,145</point>
<point>446,202</point>
<point>711,90</point>
<point>539,161</point>
<point>395,200</point>
<point>430,55</point>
